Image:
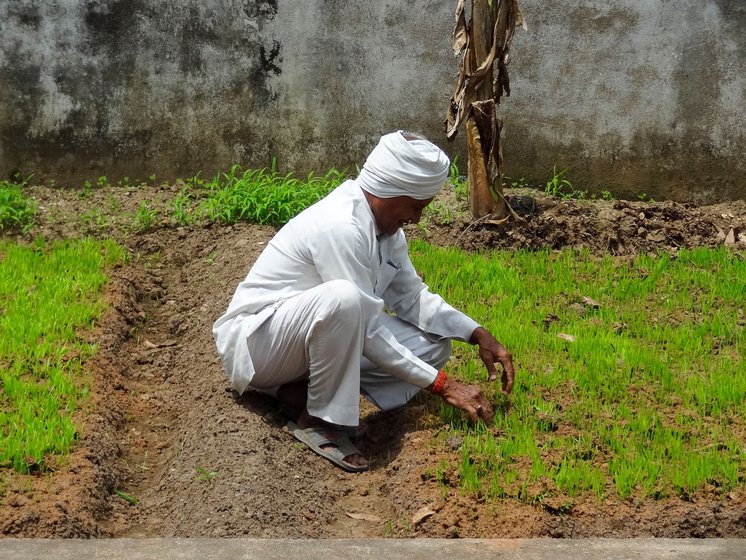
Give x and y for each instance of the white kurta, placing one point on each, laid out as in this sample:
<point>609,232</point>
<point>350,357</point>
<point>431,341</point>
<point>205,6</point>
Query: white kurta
<point>337,239</point>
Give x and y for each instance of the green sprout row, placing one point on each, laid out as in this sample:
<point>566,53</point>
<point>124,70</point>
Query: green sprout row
<point>638,391</point>
<point>48,294</point>
<point>260,196</point>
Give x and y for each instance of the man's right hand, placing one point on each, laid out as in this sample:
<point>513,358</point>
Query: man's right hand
<point>467,398</point>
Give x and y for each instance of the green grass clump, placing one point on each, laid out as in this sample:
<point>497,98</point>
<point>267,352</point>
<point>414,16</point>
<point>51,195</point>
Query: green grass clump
<point>47,295</point>
<point>649,400</point>
<point>16,211</point>
<point>259,196</point>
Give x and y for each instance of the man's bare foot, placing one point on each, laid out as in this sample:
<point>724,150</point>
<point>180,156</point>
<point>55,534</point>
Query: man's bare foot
<point>305,420</point>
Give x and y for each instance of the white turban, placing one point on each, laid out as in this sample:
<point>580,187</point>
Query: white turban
<point>400,167</point>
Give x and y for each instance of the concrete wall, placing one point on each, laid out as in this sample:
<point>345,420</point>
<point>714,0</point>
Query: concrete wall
<point>638,95</point>
<point>632,95</point>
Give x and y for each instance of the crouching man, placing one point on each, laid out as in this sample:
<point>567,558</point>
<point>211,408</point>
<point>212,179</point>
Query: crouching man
<point>308,325</point>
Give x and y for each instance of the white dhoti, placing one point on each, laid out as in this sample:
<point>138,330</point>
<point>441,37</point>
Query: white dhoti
<point>320,334</point>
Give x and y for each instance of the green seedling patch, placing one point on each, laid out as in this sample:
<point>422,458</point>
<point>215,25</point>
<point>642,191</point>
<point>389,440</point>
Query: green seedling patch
<point>631,373</point>
<point>48,294</point>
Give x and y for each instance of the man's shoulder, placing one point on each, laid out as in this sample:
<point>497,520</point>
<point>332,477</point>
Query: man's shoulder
<point>344,207</point>
<point>347,192</point>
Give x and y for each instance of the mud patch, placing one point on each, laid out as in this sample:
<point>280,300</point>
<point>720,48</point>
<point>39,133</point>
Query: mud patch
<point>615,227</point>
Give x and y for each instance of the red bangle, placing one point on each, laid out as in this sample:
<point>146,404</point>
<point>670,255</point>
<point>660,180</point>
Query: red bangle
<point>439,383</point>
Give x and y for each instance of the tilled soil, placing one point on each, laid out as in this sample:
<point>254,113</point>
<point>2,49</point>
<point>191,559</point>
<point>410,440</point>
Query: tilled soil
<point>204,462</point>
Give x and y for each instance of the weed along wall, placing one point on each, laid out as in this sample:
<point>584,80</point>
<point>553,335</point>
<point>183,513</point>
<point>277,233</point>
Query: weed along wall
<point>632,95</point>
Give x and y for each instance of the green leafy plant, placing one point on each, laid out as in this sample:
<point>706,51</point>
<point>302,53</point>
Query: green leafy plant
<point>437,212</point>
<point>182,210</point>
<point>114,204</point>
<point>194,182</point>
<point>95,221</point>
<point>519,183</point>
<point>17,212</point>
<point>262,196</point>
<point>144,217</point>
<point>459,182</point>
<point>204,475</point>
<point>453,171</point>
<point>561,187</point>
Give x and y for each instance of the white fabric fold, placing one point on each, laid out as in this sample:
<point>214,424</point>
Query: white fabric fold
<point>400,167</point>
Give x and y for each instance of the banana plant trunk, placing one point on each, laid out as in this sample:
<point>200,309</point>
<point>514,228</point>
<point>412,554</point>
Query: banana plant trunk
<point>483,79</point>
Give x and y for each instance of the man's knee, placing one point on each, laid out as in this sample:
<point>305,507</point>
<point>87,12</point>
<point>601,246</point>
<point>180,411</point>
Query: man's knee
<point>345,298</point>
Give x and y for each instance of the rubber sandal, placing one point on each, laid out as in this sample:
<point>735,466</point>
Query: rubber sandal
<point>318,437</point>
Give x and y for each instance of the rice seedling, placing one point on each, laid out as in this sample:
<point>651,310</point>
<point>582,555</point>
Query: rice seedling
<point>47,294</point>
<point>631,378</point>
<point>94,221</point>
<point>204,475</point>
<point>131,500</point>
<point>182,209</point>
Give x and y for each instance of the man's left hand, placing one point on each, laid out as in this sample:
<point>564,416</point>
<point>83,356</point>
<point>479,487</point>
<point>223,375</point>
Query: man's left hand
<point>492,352</point>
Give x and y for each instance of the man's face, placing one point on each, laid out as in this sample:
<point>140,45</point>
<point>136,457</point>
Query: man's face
<point>393,213</point>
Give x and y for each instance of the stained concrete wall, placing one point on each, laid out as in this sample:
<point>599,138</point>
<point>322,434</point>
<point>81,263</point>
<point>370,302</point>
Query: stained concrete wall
<point>638,95</point>
<point>632,95</point>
